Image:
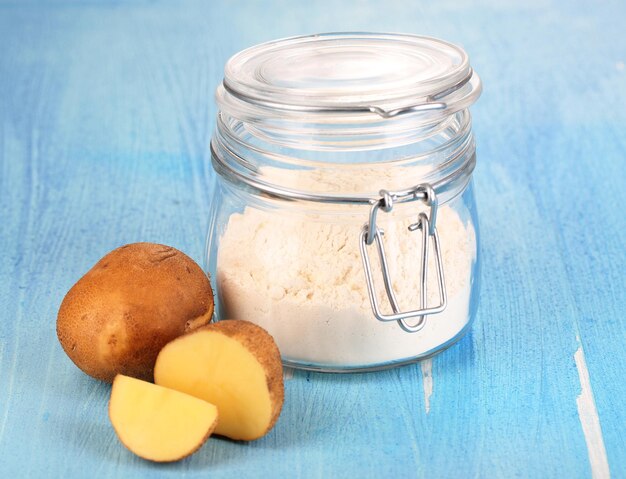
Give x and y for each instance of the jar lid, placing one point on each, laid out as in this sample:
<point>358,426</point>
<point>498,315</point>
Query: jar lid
<point>337,117</point>
<point>386,74</point>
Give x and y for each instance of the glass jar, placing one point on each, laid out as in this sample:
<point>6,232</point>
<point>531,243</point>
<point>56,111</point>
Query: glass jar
<point>343,219</point>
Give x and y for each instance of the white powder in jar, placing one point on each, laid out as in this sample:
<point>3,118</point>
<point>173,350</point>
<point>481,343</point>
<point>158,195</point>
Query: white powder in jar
<point>300,276</point>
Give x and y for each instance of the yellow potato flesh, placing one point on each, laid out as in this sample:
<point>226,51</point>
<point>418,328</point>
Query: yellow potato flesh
<point>220,370</point>
<point>157,423</point>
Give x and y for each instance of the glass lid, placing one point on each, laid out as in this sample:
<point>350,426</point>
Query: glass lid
<point>383,73</point>
<point>302,117</point>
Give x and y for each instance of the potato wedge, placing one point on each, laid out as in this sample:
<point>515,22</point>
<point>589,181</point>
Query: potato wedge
<point>157,423</point>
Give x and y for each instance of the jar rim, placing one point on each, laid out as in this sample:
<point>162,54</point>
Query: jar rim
<point>382,73</point>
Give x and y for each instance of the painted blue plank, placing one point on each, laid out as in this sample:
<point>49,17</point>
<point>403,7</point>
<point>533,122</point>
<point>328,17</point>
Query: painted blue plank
<point>105,114</point>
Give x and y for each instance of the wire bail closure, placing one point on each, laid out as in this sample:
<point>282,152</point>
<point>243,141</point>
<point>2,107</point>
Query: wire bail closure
<point>427,224</point>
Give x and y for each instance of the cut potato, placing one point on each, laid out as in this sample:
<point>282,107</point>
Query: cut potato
<point>157,423</point>
<point>233,364</point>
<point>135,300</point>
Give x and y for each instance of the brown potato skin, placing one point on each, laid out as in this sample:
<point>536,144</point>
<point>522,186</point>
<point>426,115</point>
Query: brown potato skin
<point>135,300</point>
<point>262,345</point>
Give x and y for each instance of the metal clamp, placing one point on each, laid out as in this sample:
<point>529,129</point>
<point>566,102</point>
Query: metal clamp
<point>425,223</point>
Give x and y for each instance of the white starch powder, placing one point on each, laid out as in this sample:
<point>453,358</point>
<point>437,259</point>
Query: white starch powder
<point>300,276</point>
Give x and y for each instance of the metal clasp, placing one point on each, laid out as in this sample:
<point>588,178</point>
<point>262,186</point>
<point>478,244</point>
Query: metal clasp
<point>427,224</point>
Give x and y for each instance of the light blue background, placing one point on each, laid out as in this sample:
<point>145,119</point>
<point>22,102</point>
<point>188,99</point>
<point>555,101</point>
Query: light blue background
<point>106,109</point>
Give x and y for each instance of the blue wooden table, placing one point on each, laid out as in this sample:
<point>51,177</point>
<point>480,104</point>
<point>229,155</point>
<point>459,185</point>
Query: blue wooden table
<point>106,110</point>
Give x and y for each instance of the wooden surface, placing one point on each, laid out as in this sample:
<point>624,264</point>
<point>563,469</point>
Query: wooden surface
<point>106,110</point>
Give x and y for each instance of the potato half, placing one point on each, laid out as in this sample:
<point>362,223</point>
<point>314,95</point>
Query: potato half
<point>135,300</point>
<point>233,364</point>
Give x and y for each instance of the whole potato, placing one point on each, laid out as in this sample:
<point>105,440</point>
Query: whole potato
<point>135,300</point>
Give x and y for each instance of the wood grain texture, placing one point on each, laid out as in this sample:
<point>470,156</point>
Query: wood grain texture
<point>106,109</point>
